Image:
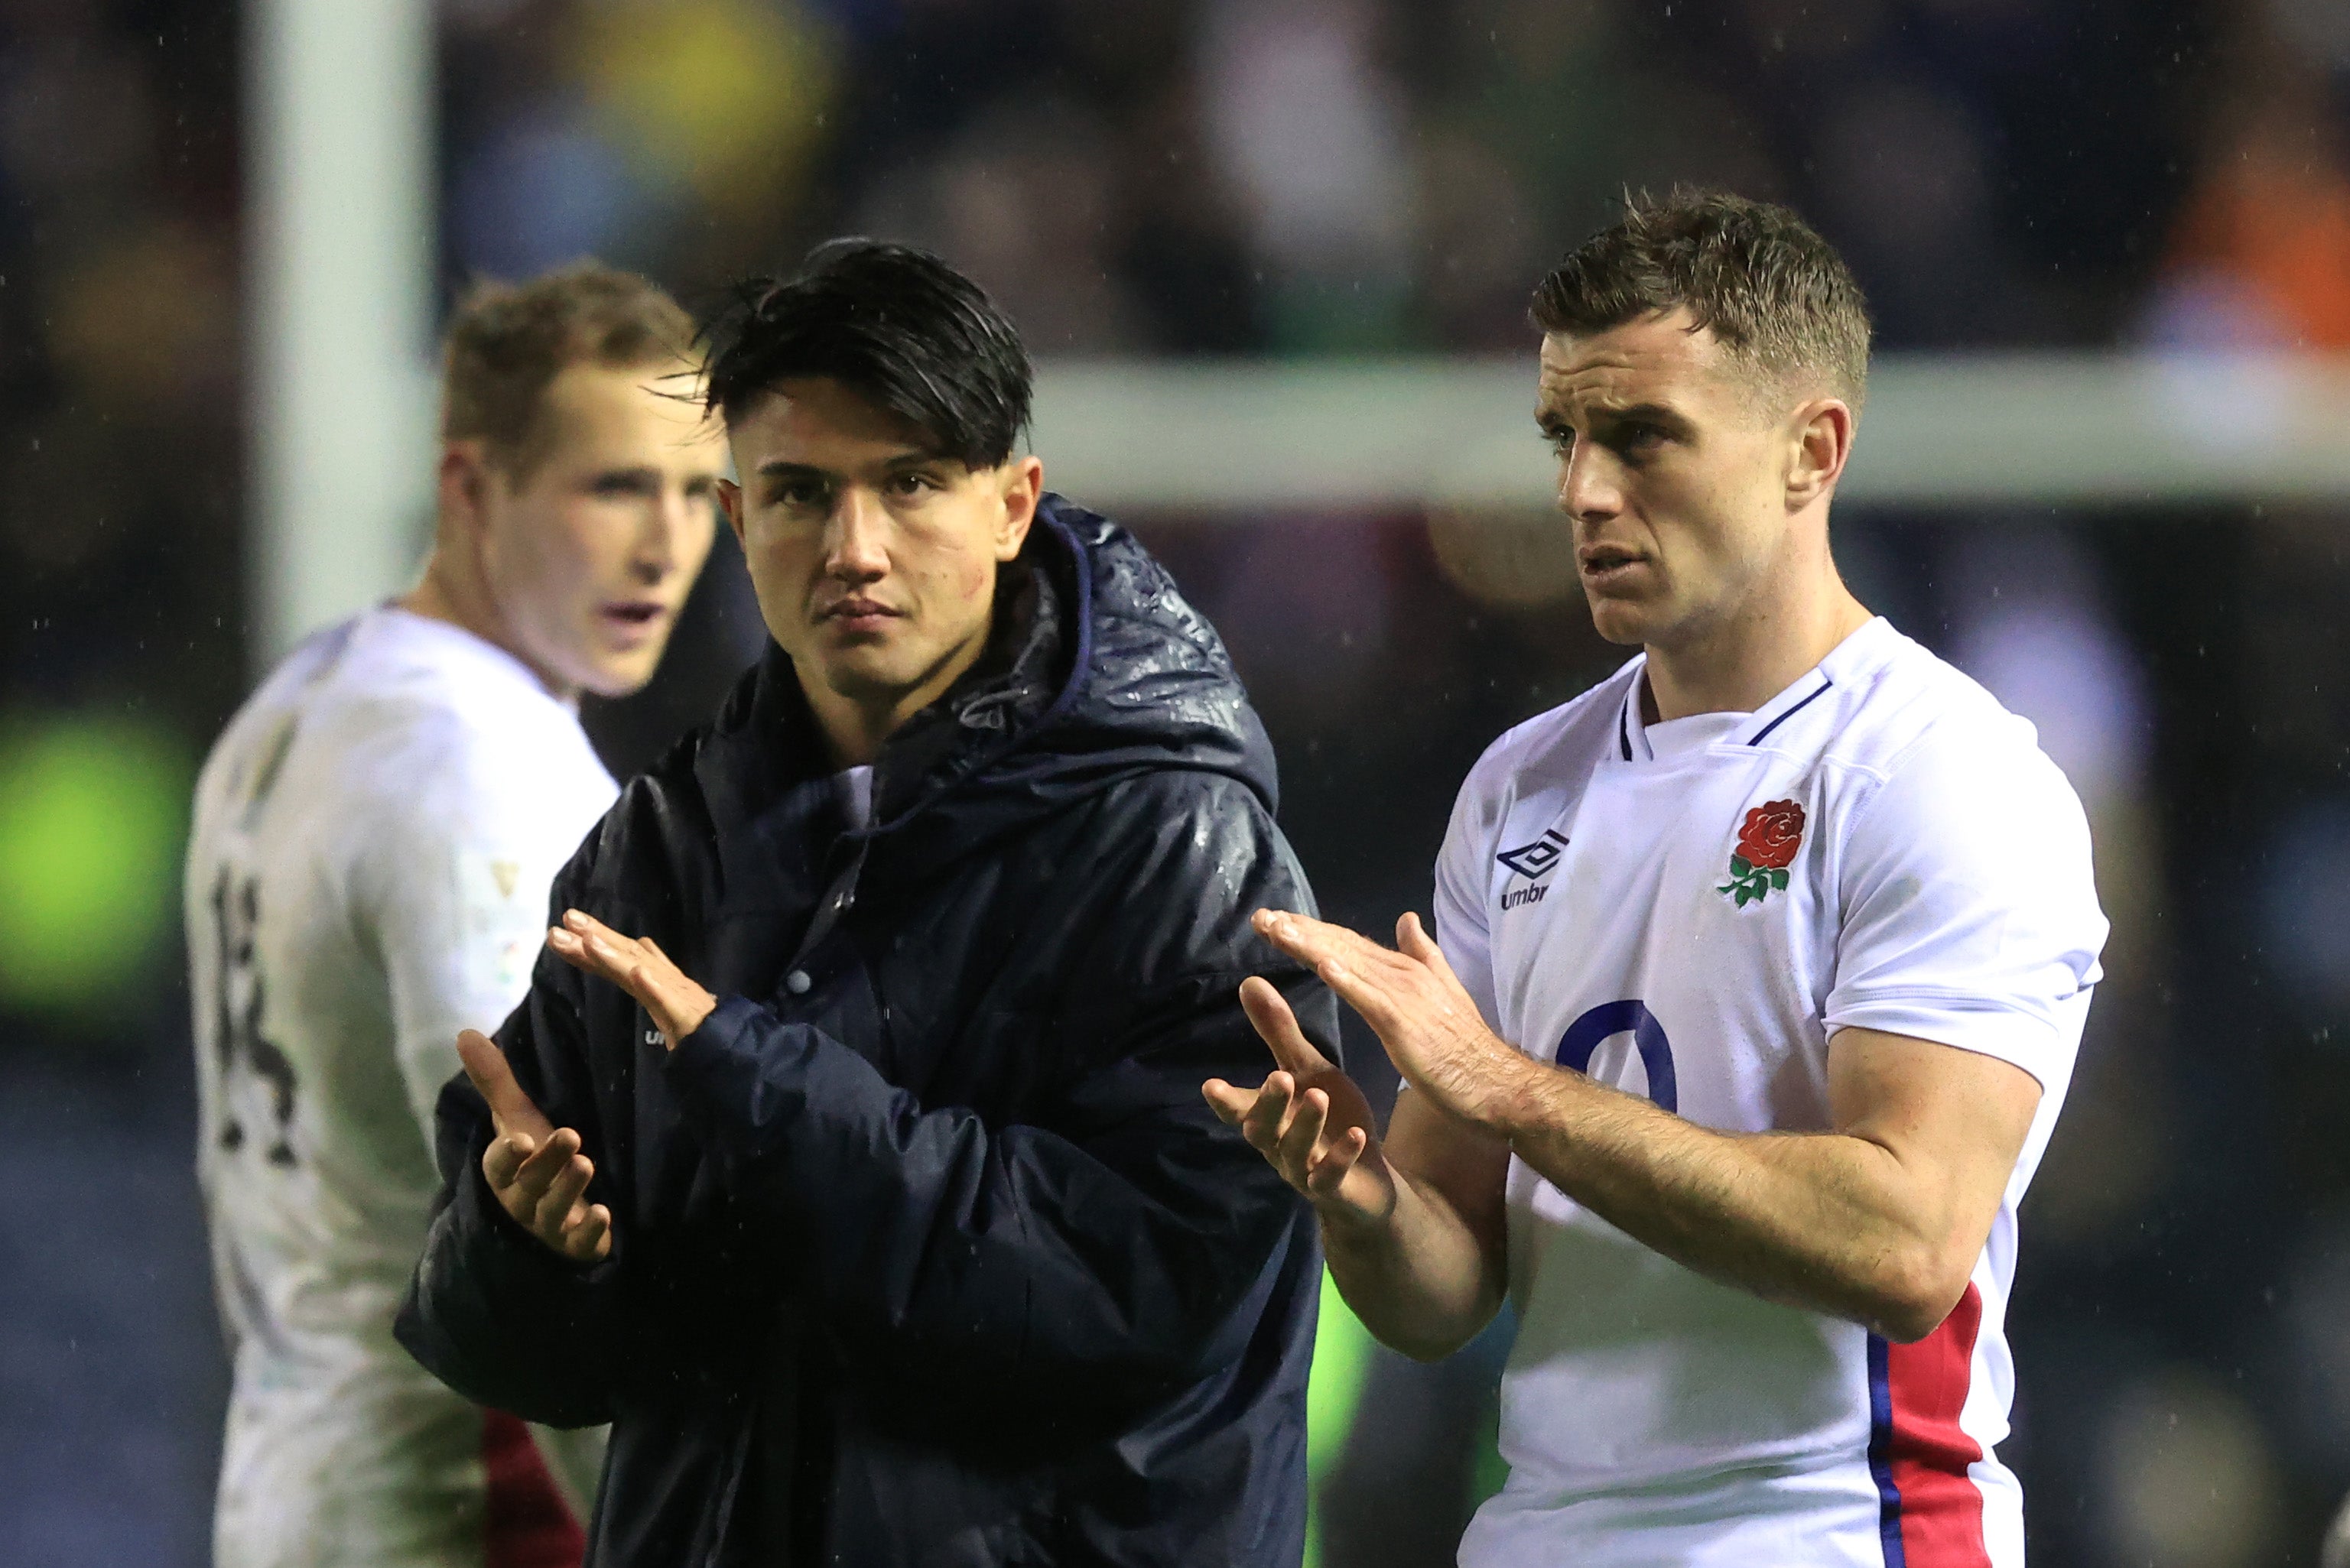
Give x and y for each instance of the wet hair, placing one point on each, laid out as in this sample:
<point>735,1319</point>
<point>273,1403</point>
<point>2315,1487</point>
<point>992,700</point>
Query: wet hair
<point>1775,293</point>
<point>507,342</point>
<point>896,326</point>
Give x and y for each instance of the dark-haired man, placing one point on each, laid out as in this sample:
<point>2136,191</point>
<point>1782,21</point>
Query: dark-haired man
<point>848,1155</point>
<point>374,837</point>
<point>1763,966</point>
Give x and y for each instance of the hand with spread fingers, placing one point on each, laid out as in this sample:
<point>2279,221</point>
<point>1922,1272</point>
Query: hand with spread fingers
<point>1413,1001</point>
<point>534,1166</point>
<point>676,1004</point>
<point>1307,1118</point>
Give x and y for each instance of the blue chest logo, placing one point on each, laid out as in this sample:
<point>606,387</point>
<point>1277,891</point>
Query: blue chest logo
<point>1583,1037</point>
<point>1535,859</point>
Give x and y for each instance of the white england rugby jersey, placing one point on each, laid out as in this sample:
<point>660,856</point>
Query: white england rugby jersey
<point>374,838</point>
<point>1689,910</point>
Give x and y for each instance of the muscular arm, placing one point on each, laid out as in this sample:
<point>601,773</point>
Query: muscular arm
<point>1429,1278</point>
<point>1878,1221</point>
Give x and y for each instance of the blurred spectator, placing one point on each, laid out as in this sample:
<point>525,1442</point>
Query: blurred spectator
<point>544,189</point>
<point>1310,130</point>
<point>1903,177</point>
<point>1024,200</point>
<point>2261,254</point>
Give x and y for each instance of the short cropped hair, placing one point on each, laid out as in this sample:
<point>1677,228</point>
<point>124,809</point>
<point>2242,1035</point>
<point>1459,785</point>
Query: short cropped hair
<point>1774,292</point>
<point>894,325</point>
<point>508,343</point>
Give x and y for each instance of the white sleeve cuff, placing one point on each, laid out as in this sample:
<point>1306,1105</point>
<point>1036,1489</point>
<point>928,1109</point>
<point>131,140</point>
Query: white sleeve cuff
<point>2021,1037</point>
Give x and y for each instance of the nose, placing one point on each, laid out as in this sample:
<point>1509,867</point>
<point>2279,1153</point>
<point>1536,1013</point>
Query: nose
<point>660,543</point>
<point>856,537</point>
<point>1589,487</point>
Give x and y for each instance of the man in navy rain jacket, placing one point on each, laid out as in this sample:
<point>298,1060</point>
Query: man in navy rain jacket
<point>849,1154</point>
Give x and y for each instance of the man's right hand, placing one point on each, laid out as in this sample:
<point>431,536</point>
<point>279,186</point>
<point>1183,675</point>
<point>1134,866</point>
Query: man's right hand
<point>1309,1120</point>
<point>535,1167</point>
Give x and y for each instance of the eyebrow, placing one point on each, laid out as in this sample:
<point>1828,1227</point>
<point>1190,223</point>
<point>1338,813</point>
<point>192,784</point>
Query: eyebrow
<point>1658,412</point>
<point>781,468</point>
<point>1550,417</point>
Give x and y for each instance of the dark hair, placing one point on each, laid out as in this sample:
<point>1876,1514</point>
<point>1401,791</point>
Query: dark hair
<point>508,341</point>
<point>1774,293</point>
<point>895,325</point>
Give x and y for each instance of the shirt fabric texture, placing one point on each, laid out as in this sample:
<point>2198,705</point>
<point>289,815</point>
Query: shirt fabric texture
<point>373,838</point>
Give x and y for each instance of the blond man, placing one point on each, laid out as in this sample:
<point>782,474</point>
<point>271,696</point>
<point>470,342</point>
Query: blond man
<point>374,837</point>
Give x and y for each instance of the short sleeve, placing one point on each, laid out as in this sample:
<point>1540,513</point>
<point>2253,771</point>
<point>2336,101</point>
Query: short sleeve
<point>1970,906</point>
<point>456,876</point>
<point>1462,890</point>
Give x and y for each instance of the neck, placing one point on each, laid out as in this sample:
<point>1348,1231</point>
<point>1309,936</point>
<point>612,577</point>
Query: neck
<point>854,727</point>
<point>1752,654</point>
<point>448,592</point>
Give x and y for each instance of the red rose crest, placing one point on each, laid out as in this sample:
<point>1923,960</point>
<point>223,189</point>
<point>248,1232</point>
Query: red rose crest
<point>1773,831</point>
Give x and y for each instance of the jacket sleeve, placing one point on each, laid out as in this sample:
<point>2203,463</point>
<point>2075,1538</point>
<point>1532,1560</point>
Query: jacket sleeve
<point>491,1311</point>
<point>1103,1264</point>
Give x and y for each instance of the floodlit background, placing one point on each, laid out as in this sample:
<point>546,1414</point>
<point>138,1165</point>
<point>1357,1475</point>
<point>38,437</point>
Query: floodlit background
<point>1275,255</point>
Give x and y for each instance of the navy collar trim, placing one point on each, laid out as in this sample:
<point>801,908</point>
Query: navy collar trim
<point>1794,709</point>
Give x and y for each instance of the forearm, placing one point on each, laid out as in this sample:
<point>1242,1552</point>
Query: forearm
<point>1421,1279</point>
<point>1823,1221</point>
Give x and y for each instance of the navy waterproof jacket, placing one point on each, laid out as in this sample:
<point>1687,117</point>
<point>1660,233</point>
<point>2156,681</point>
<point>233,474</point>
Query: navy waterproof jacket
<point>926,1248</point>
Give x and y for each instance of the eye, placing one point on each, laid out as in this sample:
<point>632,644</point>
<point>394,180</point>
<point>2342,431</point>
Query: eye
<point>799,494</point>
<point>916,482</point>
<point>618,486</point>
<point>1637,439</point>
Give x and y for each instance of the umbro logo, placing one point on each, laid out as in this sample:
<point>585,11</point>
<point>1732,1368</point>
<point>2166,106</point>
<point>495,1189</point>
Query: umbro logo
<point>1535,859</point>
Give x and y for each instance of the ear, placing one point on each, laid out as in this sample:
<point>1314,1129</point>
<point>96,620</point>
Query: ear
<point>463,482</point>
<point>1024,486</point>
<point>1821,441</point>
<point>730,500</point>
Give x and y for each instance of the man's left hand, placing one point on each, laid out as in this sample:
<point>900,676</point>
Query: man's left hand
<point>1412,1001</point>
<point>676,1004</point>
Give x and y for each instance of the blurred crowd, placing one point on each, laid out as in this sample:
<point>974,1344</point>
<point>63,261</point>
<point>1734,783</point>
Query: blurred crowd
<point>1205,177</point>
<point>1193,176</point>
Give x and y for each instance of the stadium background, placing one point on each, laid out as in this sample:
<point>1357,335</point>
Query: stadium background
<point>1189,183</point>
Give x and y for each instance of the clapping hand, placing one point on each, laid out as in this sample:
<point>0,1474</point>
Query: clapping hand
<point>1309,1120</point>
<point>534,1166</point>
<point>1413,1001</point>
<point>675,1003</point>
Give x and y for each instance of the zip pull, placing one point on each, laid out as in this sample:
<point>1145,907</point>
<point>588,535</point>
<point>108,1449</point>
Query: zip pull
<point>838,899</point>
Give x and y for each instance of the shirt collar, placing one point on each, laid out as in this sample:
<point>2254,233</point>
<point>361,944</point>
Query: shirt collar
<point>1867,647</point>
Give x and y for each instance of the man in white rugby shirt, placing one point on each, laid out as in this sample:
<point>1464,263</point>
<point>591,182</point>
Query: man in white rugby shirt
<point>374,837</point>
<point>1763,964</point>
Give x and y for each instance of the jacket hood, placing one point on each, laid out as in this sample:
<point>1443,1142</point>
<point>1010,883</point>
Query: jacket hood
<point>1148,682</point>
<point>1101,670</point>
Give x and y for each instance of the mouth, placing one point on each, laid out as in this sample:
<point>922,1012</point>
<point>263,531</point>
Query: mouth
<point>632,620</point>
<point>1607,565</point>
<point>858,615</point>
